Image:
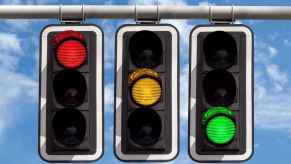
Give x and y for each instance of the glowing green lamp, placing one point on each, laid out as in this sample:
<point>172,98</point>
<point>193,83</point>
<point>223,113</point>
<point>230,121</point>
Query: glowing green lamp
<point>219,125</point>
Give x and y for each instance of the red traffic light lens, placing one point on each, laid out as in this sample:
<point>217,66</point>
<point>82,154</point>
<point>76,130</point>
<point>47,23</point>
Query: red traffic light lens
<point>71,53</point>
<point>70,49</point>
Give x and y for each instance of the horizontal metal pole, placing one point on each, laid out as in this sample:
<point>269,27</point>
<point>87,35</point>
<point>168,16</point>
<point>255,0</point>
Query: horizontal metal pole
<point>143,12</point>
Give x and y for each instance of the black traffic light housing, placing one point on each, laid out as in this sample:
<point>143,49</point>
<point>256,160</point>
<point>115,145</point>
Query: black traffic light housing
<point>221,93</point>
<point>71,93</point>
<point>146,93</point>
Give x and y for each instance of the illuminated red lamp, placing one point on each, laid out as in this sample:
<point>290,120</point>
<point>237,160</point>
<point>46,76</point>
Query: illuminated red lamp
<point>70,49</point>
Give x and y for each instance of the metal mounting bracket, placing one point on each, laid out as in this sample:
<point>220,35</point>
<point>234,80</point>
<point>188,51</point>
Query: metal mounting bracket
<point>215,16</point>
<point>142,16</point>
<point>71,18</point>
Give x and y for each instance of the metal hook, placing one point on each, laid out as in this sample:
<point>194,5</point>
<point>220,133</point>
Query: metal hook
<point>232,14</point>
<point>210,15</point>
<point>60,13</point>
<point>83,13</point>
<point>158,11</point>
<point>135,12</point>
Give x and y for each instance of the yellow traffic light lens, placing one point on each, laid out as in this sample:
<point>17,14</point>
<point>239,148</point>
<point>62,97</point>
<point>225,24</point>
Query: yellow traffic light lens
<point>146,91</point>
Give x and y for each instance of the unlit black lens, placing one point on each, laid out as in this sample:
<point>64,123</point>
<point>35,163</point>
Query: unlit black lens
<point>219,87</point>
<point>220,50</point>
<point>145,49</point>
<point>69,88</point>
<point>144,126</point>
<point>69,127</point>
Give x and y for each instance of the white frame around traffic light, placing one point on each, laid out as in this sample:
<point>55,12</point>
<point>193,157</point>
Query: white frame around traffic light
<point>99,94</point>
<point>249,93</point>
<point>118,94</point>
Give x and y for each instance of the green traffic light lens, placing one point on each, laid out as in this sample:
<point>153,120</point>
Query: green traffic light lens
<point>219,123</point>
<point>220,130</point>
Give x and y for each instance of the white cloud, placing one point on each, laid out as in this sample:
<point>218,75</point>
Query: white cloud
<point>109,96</point>
<point>273,110</point>
<point>15,88</point>
<point>10,51</point>
<point>273,51</point>
<point>184,82</point>
<point>18,25</point>
<point>287,42</point>
<point>278,77</point>
<point>264,52</point>
<point>272,91</point>
<point>9,42</point>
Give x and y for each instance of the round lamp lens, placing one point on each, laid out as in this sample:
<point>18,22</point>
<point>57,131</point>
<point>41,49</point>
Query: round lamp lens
<point>146,91</point>
<point>69,87</point>
<point>145,127</point>
<point>145,49</point>
<point>219,87</point>
<point>220,50</point>
<point>69,127</point>
<point>71,53</point>
<point>220,130</point>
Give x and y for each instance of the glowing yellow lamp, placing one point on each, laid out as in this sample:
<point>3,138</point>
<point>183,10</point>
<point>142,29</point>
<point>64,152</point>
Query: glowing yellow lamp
<point>146,91</point>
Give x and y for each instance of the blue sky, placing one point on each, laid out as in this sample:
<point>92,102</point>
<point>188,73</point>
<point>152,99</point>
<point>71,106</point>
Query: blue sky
<point>19,46</point>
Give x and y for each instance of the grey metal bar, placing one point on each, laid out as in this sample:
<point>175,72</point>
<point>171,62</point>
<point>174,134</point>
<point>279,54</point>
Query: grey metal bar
<point>143,12</point>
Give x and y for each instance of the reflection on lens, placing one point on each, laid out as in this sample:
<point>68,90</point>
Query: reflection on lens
<point>220,50</point>
<point>69,127</point>
<point>219,88</point>
<point>145,49</point>
<point>69,88</point>
<point>144,126</point>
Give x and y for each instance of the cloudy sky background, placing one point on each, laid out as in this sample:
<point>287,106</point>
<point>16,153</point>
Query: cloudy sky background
<point>19,46</point>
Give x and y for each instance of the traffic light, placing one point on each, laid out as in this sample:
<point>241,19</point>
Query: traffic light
<point>71,93</point>
<point>146,93</point>
<point>221,93</point>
